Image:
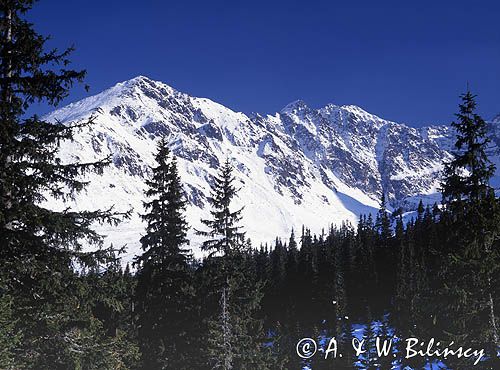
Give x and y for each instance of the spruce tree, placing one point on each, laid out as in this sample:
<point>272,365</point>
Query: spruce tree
<point>232,292</point>
<point>224,234</point>
<point>385,255</point>
<point>367,278</point>
<point>166,224</point>
<point>471,252</point>
<point>383,221</point>
<point>292,280</point>
<point>109,292</point>
<point>467,175</point>
<point>164,291</point>
<point>39,247</point>
<point>369,359</point>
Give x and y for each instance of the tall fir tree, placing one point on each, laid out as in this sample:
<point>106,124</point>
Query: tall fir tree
<point>166,224</point>
<point>224,234</point>
<point>233,293</point>
<point>165,286</point>
<point>39,247</point>
<point>467,175</point>
<point>385,255</point>
<point>471,252</point>
<point>383,221</point>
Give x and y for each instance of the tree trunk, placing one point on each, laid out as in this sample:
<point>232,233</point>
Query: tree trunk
<point>493,322</point>
<point>7,96</point>
<point>226,330</point>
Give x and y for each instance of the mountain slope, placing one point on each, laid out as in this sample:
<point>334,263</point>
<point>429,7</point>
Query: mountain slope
<point>300,166</point>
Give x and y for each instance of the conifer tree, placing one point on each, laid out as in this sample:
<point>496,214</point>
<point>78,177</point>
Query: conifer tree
<point>420,210</point>
<point>292,244</point>
<point>367,277</point>
<point>39,247</point>
<point>467,175</point>
<point>369,359</point>
<point>166,224</point>
<point>224,234</point>
<point>385,255</point>
<point>383,222</point>
<point>278,263</point>
<point>471,254</point>
<point>292,278</point>
<point>232,293</point>
<point>109,293</point>
<point>164,291</point>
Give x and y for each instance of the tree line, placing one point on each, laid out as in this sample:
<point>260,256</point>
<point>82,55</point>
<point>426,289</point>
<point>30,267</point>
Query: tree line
<point>240,307</point>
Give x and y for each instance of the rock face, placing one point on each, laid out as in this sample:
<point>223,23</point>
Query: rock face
<point>301,166</point>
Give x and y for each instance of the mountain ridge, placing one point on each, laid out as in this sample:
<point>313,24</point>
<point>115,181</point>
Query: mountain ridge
<point>298,166</point>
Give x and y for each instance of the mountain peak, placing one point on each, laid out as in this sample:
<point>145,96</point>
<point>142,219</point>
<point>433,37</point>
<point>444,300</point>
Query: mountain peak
<point>143,82</point>
<point>295,107</point>
<point>135,91</point>
<point>138,79</point>
<point>355,109</point>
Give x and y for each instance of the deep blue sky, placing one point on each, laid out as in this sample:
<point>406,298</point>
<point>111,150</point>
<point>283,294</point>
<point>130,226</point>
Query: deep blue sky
<point>402,60</point>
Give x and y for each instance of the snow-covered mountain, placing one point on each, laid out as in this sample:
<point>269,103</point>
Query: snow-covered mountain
<point>299,166</point>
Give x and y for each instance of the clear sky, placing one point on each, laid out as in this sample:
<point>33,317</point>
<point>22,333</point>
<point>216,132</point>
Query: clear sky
<point>402,60</point>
